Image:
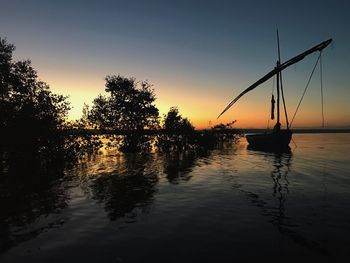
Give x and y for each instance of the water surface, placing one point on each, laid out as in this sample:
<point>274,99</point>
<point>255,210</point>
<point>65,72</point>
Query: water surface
<point>228,204</point>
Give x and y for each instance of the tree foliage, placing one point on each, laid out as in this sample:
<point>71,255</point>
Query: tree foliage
<point>174,122</point>
<point>178,132</point>
<point>128,108</point>
<point>30,112</point>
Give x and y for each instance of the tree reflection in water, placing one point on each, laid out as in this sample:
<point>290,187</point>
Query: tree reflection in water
<point>34,191</point>
<point>178,165</point>
<point>29,189</point>
<point>129,189</point>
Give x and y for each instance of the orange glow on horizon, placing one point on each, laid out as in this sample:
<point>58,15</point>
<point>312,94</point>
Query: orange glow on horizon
<point>201,109</point>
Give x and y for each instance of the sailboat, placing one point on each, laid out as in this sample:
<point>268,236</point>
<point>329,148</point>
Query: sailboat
<point>278,137</point>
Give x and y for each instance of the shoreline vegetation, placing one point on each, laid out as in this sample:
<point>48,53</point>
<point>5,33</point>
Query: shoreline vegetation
<point>34,121</point>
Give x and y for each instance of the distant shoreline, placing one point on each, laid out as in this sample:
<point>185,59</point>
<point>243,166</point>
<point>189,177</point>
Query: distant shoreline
<point>228,131</point>
<point>320,130</point>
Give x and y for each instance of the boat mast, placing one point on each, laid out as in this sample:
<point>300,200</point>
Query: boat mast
<point>278,124</point>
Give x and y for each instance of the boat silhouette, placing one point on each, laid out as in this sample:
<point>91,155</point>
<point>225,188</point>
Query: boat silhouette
<point>278,137</point>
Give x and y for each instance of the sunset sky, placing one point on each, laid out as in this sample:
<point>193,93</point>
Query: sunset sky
<point>198,54</point>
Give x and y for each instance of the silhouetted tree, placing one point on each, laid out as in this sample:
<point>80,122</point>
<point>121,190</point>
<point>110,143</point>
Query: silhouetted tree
<point>102,115</point>
<point>81,137</point>
<point>129,108</point>
<point>227,126</point>
<point>178,132</point>
<point>175,123</point>
<point>30,114</point>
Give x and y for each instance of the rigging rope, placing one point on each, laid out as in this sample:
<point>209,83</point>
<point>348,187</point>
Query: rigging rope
<point>284,102</point>
<point>307,85</point>
<point>321,88</point>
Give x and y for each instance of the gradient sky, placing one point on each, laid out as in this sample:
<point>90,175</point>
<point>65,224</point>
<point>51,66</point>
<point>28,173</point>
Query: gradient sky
<point>198,54</point>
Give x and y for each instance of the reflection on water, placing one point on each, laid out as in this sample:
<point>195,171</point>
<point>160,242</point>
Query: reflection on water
<point>280,167</point>
<point>219,204</point>
<point>276,209</point>
<point>28,191</point>
<point>128,188</point>
<point>178,165</point>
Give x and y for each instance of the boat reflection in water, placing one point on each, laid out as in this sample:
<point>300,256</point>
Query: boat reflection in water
<point>281,164</point>
<point>276,209</point>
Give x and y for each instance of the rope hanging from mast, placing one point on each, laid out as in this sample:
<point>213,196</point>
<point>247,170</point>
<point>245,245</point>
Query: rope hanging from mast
<point>321,88</point>
<point>307,85</point>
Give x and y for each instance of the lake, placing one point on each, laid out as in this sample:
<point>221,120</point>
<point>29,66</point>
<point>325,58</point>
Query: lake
<point>223,205</point>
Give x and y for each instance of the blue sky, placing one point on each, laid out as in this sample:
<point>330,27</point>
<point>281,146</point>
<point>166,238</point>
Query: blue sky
<point>198,54</point>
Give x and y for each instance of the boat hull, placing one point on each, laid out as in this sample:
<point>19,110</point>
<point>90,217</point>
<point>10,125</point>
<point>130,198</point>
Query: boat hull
<point>272,140</point>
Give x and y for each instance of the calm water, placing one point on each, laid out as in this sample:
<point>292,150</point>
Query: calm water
<point>225,205</point>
